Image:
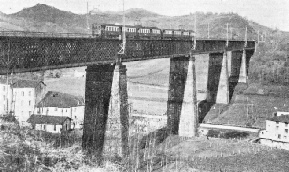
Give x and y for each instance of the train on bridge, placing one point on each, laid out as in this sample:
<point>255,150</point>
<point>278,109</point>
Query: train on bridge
<point>112,31</point>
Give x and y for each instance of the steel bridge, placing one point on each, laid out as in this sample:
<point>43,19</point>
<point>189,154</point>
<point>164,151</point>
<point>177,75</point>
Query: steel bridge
<point>30,52</point>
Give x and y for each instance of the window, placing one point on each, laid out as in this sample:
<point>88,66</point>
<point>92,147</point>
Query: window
<point>4,97</point>
<point>54,127</point>
<point>285,137</point>
<point>156,31</point>
<point>277,127</point>
<point>74,109</point>
<point>22,93</point>
<point>29,102</point>
<point>3,88</point>
<point>168,32</point>
<point>279,136</point>
<point>44,127</point>
<point>55,108</point>
<point>286,130</point>
<point>286,124</point>
<point>29,93</point>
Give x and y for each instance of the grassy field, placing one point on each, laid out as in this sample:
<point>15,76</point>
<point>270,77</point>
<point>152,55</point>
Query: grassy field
<point>27,150</point>
<point>251,107</point>
<point>248,107</point>
<point>207,154</point>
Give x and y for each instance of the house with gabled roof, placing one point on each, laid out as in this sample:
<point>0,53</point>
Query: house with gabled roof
<point>64,105</point>
<point>277,129</point>
<point>25,94</point>
<point>53,124</point>
<point>276,133</point>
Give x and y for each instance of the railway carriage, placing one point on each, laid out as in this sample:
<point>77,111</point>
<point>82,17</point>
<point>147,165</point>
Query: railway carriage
<point>111,31</point>
<point>156,33</point>
<point>149,33</point>
<point>188,34</point>
<point>177,34</point>
<point>130,32</point>
<point>167,34</point>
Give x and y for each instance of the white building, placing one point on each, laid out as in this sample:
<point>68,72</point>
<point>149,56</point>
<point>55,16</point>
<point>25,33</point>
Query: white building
<point>276,129</point>
<point>5,97</point>
<point>25,94</point>
<point>280,113</point>
<point>62,104</point>
<point>53,124</point>
<point>276,133</point>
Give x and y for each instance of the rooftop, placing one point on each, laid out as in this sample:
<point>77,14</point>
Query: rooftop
<point>60,100</point>
<point>3,80</point>
<point>282,118</point>
<point>45,119</point>
<point>26,84</point>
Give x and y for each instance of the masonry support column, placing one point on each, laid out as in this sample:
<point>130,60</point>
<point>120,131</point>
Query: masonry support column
<point>182,101</point>
<point>223,87</point>
<point>97,96</point>
<point>117,126</point>
<point>106,114</point>
<point>177,79</point>
<point>229,61</point>
<point>243,69</point>
<point>189,120</point>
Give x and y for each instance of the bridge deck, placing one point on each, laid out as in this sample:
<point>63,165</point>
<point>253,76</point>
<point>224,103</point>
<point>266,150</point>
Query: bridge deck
<point>24,53</point>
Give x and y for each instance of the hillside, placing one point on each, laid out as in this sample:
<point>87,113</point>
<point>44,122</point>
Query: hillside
<point>268,68</point>
<point>47,18</point>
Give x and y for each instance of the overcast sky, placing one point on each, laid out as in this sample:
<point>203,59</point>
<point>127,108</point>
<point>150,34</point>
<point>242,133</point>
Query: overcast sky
<point>272,13</point>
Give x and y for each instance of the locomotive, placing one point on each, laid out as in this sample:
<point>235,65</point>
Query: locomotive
<point>112,31</point>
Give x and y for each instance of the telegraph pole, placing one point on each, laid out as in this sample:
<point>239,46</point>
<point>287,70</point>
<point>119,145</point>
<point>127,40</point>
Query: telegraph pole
<point>246,36</point>
<point>258,37</point>
<point>195,37</point>
<point>208,30</point>
<point>87,23</point>
<point>227,42</point>
<point>122,51</point>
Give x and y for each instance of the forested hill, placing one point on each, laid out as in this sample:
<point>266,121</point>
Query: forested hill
<point>268,65</point>
<point>42,17</point>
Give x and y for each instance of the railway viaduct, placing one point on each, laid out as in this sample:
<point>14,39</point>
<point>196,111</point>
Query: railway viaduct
<point>106,108</point>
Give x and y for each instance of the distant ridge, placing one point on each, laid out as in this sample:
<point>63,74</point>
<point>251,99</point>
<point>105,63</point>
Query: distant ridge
<point>42,17</point>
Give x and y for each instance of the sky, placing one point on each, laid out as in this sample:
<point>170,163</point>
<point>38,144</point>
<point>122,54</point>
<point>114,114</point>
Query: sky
<point>272,13</point>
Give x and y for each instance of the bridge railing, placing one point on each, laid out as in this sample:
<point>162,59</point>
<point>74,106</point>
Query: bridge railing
<point>44,34</point>
<point>81,35</point>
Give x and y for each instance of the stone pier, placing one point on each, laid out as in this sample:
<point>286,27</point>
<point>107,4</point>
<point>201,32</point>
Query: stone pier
<point>214,75</point>
<point>243,68</point>
<point>182,101</point>
<point>223,87</point>
<point>189,120</point>
<point>229,62</point>
<point>117,125</point>
<point>202,68</point>
<point>106,114</point>
<point>177,80</point>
